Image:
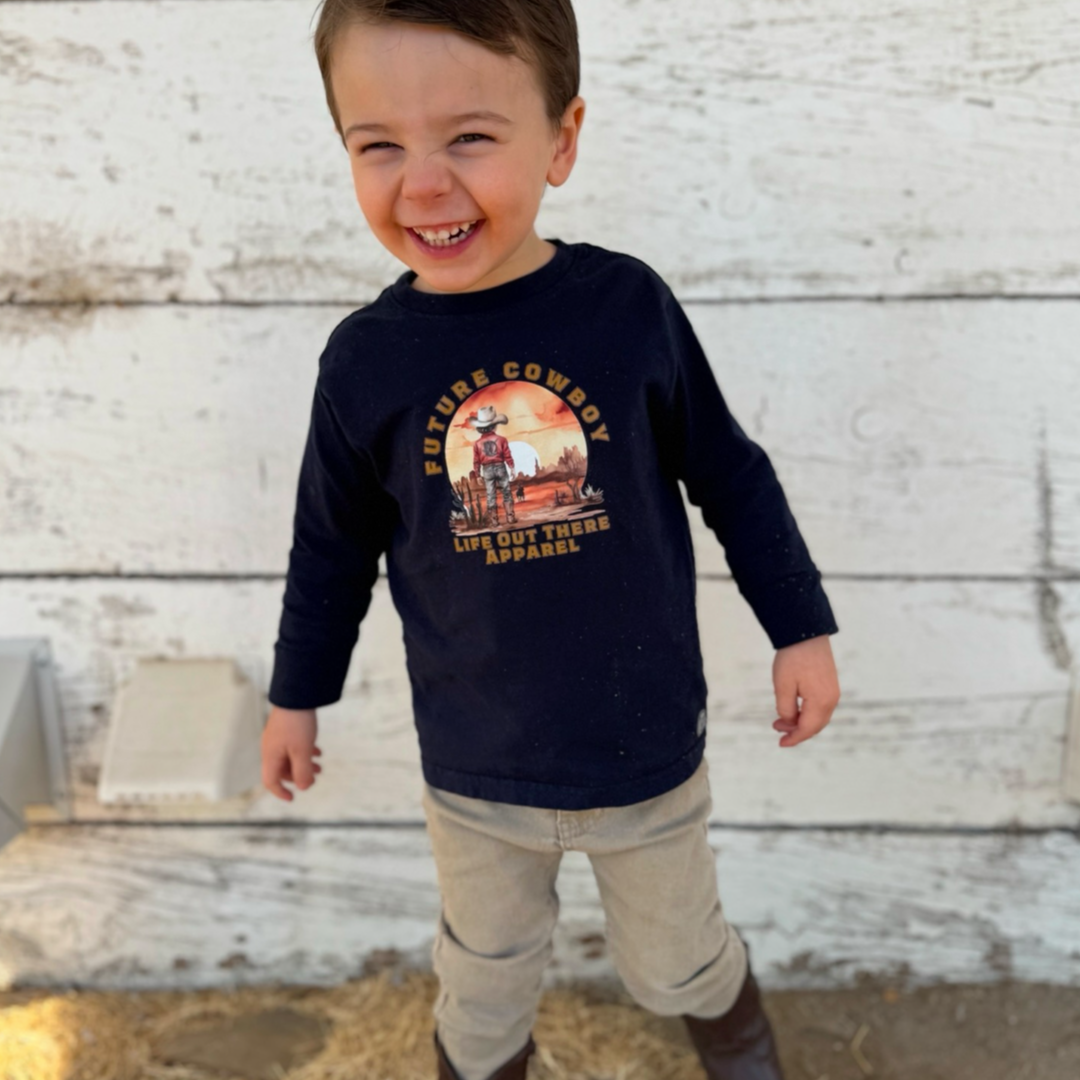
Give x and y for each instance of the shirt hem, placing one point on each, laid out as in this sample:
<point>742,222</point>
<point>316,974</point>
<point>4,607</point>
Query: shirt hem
<point>566,796</point>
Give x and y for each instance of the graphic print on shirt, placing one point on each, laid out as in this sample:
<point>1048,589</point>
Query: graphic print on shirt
<point>517,461</point>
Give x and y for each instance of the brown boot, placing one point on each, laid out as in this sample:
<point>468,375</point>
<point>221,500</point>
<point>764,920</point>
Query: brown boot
<point>738,1044</point>
<point>514,1069</point>
<point>493,517</point>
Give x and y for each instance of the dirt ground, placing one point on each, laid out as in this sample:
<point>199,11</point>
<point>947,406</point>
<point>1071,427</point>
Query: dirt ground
<point>379,1027</point>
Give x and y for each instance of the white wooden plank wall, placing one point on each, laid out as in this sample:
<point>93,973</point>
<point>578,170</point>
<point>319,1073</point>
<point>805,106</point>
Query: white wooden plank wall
<point>871,218</point>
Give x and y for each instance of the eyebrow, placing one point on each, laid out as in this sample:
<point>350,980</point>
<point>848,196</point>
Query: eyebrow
<point>478,114</point>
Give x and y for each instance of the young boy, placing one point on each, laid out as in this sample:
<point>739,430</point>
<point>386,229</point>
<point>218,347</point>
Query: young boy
<point>554,660</point>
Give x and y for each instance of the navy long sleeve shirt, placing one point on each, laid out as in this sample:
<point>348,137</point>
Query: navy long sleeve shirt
<point>548,612</point>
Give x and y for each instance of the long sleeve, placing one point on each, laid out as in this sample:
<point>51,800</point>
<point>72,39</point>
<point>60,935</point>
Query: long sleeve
<point>732,480</point>
<point>342,524</point>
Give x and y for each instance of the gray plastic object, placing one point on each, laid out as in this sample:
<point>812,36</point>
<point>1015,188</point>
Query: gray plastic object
<point>31,747</point>
<point>183,730</point>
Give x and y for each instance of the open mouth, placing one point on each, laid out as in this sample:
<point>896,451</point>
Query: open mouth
<point>452,246</point>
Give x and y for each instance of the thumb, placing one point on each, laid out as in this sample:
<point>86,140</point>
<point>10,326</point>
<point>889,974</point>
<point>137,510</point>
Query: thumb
<point>787,704</point>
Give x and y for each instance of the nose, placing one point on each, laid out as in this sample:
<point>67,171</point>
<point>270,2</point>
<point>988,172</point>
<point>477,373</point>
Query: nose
<point>425,177</point>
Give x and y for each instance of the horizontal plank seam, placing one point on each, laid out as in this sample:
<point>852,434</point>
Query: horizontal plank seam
<point>702,575</point>
<point>828,298</point>
<point>879,829</point>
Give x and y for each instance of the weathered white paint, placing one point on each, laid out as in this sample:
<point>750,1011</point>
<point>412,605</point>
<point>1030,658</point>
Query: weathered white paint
<point>925,439</point>
<point>953,711</point>
<point>929,448</point>
<point>109,906</point>
<point>184,151</point>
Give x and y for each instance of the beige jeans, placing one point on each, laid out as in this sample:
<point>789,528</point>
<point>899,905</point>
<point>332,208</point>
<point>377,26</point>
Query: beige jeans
<point>497,863</point>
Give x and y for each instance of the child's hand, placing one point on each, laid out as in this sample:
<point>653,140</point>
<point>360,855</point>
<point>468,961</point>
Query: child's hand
<point>804,670</point>
<point>288,743</point>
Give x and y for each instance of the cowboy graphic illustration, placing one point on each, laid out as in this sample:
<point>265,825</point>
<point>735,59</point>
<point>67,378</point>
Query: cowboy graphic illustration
<point>493,461</point>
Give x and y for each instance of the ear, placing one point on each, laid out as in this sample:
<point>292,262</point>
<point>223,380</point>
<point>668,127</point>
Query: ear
<point>566,143</point>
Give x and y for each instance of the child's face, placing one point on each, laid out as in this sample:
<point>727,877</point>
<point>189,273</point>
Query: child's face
<point>422,168</point>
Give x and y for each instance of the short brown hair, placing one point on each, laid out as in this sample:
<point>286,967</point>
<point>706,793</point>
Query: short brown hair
<point>543,33</point>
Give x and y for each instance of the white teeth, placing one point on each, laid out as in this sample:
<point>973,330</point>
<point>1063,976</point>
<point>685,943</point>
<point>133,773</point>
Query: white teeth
<point>441,237</point>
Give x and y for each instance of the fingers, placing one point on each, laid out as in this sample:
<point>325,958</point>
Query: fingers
<point>812,718</point>
<point>787,701</point>
<point>275,769</point>
<point>289,766</point>
<point>807,691</point>
<point>790,729</point>
<point>790,725</point>
<point>302,769</point>
<point>275,788</point>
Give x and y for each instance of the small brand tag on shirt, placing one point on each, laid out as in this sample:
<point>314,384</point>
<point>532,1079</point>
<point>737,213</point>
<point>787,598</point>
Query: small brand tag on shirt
<point>701,721</point>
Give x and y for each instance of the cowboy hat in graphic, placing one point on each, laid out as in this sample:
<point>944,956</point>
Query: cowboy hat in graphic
<point>486,417</point>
